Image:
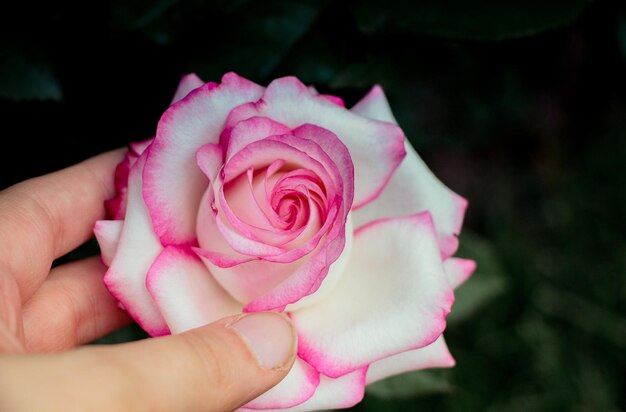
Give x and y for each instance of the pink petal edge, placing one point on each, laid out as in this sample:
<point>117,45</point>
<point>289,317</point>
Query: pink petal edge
<point>108,234</point>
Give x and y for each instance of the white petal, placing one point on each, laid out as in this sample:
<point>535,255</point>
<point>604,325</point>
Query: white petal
<point>393,297</point>
<point>108,234</point>
<point>187,83</point>
<point>185,292</point>
<point>298,386</point>
<point>435,355</point>
<point>138,248</point>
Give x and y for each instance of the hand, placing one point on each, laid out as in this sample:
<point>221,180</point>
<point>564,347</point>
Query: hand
<point>218,367</point>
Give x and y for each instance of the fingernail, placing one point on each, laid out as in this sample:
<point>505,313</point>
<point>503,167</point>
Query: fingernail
<point>270,337</point>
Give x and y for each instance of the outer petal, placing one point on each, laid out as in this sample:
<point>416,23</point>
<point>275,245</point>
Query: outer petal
<point>413,188</point>
<point>116,206</point>
<point>376,147</point>
<point>343,392</point>
<point>435,355</point>
<point>374,105</point>
<point>137,148</point>
<point>210,159</point>
<point>187,83</point>
<point>185,292</point>
<point>173,183</point>
<point>138,248</point>
<point>108,235</point>
<point>252,130</point>
<point>393,297</point>
<point>333,99</point>
<point>458,270</point>
<point>297,387</point>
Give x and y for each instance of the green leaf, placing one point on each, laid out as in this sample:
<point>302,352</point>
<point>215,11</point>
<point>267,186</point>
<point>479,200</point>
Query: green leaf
<point>411,385</point>
<point>481,20</point>
<point>484,285</point>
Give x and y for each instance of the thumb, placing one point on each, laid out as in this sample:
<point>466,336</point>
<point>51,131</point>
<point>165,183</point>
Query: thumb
<point>218,367</point>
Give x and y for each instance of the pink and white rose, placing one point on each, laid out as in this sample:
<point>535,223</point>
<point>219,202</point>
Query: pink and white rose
<point>279,198</point>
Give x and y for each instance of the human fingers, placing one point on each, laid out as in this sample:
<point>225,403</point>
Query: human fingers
<point>218,367</point>
<point>11,327</point>
<point>70,308</point>
<point>45,217</point>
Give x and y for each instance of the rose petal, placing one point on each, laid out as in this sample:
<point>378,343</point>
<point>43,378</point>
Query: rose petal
<point>458,270</point>
<point>138,248</point>
<point>247,216</point>
<point>435,355</point>
<point>291,149</point>
<point>116,206</point>
<point>209,235</point>
<point>335,273</point>
<point>187,83</point>
<point>137,148</point>
<point>395,272</point>
<point>297,387</point>
<point>252,130</point>
<point>185,292</point>
<point>307,278</point>
<point>337,101</point>
<point>108,236</point>
<point>263,284</point>
<point>374,105</point>
<point>413,188</point>
<point>247,280</point>
<point>343,392</point>
<point>210,159</point>
<point>376,147</point>
<point>173,184</point>
<point>310,275</point>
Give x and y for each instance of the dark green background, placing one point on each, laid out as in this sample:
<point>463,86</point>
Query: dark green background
<point>520,106</point>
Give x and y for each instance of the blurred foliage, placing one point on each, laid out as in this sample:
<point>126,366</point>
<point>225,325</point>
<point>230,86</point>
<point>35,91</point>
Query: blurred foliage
<point>485,20</point>
<point>27,75</point>
<point>518,106</point>
<point>412,385</point>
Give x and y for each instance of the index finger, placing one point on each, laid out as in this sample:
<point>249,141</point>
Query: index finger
<point>46,217</point>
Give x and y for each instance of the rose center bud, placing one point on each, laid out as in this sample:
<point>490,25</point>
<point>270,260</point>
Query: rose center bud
<point>270,214</point>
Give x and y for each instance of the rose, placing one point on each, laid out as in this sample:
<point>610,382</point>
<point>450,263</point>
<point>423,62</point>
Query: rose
<point>253,199</point>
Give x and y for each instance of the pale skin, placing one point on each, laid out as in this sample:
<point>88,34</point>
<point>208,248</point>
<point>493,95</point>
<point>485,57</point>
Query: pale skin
<point>47,314</point>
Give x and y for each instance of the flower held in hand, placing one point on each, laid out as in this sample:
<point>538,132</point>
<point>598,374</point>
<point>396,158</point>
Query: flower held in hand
<point>256,199</point>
